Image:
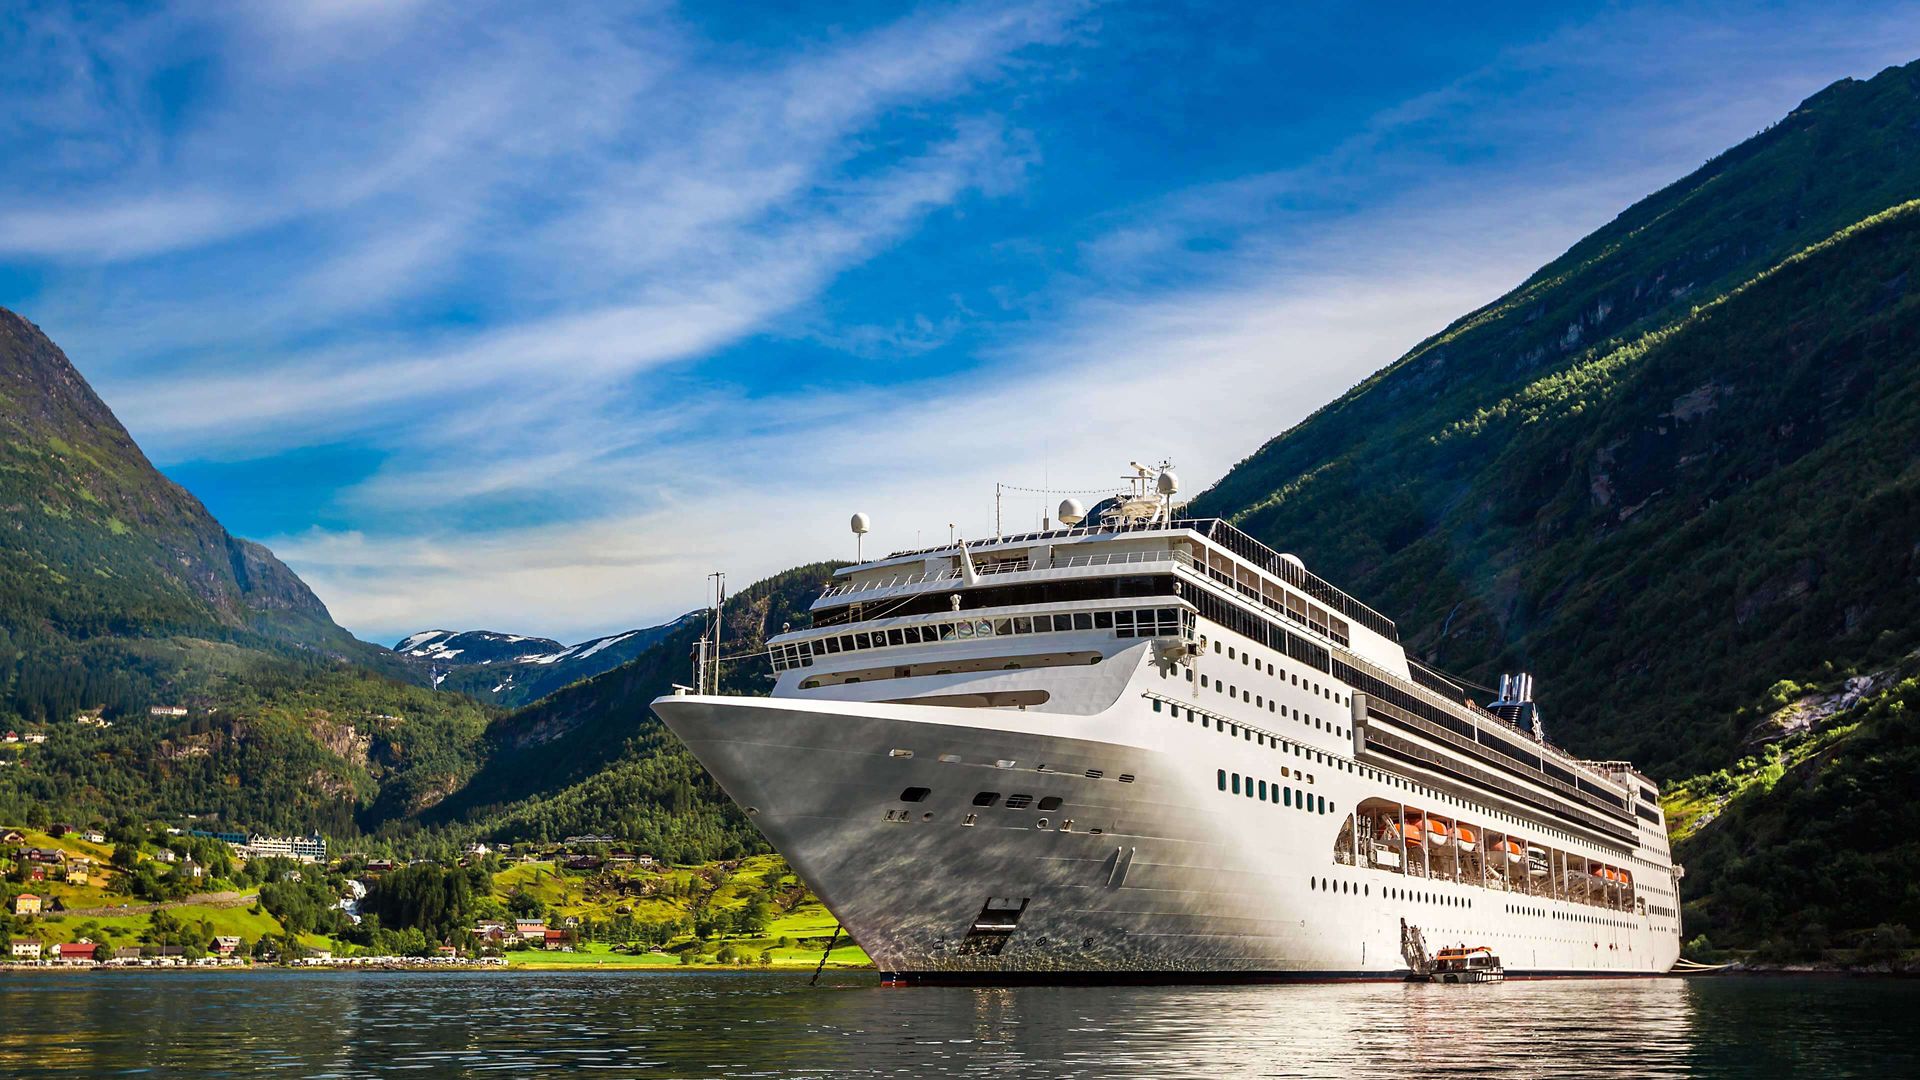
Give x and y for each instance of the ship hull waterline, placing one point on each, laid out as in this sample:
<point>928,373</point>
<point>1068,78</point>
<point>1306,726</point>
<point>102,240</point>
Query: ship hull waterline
<point>1142,881</point>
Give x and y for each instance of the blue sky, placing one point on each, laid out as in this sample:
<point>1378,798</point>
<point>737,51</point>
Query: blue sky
<point>528,316</point>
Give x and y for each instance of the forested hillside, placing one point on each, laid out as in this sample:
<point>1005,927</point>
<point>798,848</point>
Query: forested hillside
<point>593,757</point>
<point>1674,467</point>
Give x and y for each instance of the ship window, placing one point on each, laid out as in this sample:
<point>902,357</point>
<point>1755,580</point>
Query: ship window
<point>1051,802</point>
<point>1263,791</point>
<point>1103,620</point>
<point>1222,776</point>
<point>1236,783</point>
<point>1156,706</point>
<point>896,637</point>
<point>915,794</point>
<point>1023,625</point>
<point>1205,722</point>
<point>1082,620</point>
<point>1287,797</point>
<point>1019,802</point>
<point>1216,646</point>
<point>1229,652</point>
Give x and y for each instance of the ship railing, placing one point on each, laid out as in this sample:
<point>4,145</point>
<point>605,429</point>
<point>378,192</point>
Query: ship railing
<point>1481,718</point>
<point>901,581</point>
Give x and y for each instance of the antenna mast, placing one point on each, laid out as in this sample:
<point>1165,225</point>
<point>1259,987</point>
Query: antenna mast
<point>719,609</point>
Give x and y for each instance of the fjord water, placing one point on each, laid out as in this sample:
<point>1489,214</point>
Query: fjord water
<point>361,1024</point>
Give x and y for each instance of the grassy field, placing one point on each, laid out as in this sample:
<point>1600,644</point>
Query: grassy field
<point>796,935</point>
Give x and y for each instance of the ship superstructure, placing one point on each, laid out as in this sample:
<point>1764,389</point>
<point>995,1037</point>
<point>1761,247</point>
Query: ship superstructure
<point>1152,747</point>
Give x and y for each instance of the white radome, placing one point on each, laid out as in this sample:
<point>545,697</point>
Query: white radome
<point>1071,512</point>
<point>1169,484</point>
<point>862,524</point>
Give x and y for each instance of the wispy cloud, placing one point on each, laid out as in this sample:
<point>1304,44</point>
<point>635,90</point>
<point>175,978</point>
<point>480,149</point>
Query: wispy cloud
<point>620,298</point>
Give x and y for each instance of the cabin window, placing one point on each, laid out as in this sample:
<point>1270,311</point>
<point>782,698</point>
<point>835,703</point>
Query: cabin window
<point>1051,802</point>
<point>1287,797</point>
<point>914,794</point>
<point>1236,783</point>
<point>1082,620</point>
<point>986,798</point>
<point>1222,775</point>
<point>1263,791</point>
<point>1019,802</point>
<point>1103,620</point>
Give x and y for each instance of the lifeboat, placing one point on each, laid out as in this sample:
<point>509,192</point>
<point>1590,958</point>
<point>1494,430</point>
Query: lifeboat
<point>1513,849</point>
<point>1464,836</point>
<point>1438,832</point>
<point>1392,834</point>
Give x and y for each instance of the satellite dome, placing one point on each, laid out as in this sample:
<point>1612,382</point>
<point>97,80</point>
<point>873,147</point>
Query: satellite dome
<point>861,523</point>
<point>1294,561</point>
<point>1168,482</point>
<point>1071,512</point>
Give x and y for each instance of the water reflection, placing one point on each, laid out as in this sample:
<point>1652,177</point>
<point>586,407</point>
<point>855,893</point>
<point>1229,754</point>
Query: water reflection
<point>361,1024</point>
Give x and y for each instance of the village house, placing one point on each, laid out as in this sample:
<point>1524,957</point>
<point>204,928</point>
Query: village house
<point>166,855</point>
<point>226,945</point>
<point>13,836</point>
<point>168,710</point>
<point>79,871</point>
<point>11,737</point>
<point>24,949</point>
<point>35,737</point>
<point>555,939</point>
<point>127,954</point>
<point>379,866</point>
<point>44,855</point>
<point>37,872</point>
<point>94,836</point>
<point>584,862</point>
<point>76,952</point>
<point>477,848</point>
<point>530,929</point>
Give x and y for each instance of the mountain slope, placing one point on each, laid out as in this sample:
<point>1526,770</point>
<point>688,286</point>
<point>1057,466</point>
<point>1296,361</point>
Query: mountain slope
<point>1636,473</point>
<point>593,758</point>
<point>510,670</point>
<point>96,541</point>
<point>120,593</point>
<point>1672,473</point>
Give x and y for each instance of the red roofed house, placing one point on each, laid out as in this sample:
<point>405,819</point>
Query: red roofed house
<point>556,939</point>
<point>26,904</point>
<point>76,952</point>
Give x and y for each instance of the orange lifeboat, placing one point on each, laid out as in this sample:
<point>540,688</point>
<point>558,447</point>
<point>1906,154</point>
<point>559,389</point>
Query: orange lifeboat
<point>1514,850</point>
<point>1439,833</point>
<point>1465,837</point>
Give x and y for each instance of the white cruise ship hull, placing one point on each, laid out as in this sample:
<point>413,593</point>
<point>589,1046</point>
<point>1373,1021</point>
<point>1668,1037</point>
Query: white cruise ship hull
<point>1159,877</point>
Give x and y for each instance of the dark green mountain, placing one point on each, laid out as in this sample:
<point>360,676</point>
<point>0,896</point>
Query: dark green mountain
<point>120,594</point>
<point>592,757</point>
<point>1672,468</point>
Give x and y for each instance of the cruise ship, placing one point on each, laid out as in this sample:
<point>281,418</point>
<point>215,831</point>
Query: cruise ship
<point>1149,748</point>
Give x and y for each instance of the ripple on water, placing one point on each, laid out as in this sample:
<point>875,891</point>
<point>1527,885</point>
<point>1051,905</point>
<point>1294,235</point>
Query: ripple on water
<point>370,1024</point>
